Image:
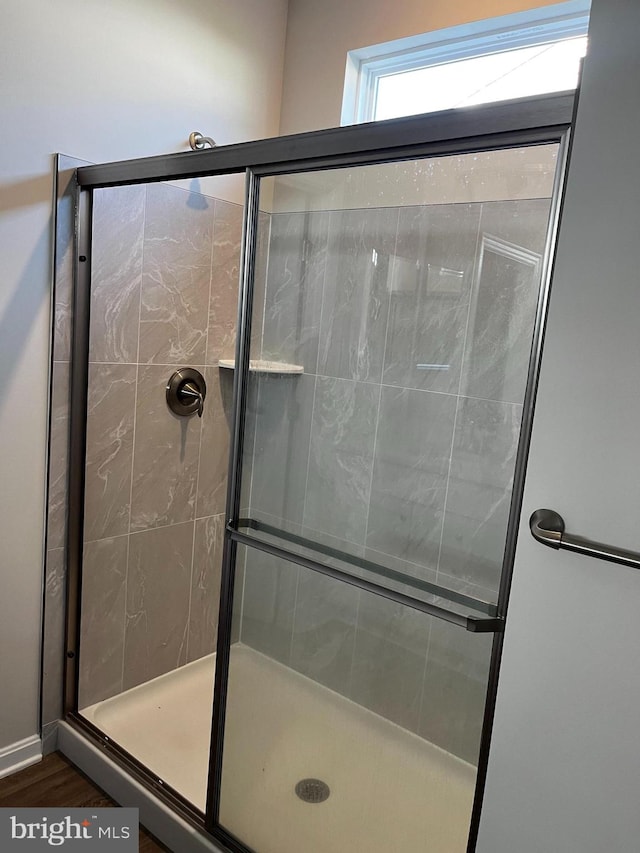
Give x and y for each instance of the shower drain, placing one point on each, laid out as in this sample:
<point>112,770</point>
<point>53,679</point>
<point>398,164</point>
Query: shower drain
<point>312,790</point>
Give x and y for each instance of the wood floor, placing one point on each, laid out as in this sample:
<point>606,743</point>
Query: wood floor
<point>55,782</point>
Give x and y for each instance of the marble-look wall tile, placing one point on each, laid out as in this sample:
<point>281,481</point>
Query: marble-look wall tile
<point>413,448</point>
<point>104,578</point>
<point>430,283</point>
<point>263,248</point>
<point>479,495</point>
<point>412,575</point>
<point>176,276</point>
<point>504,301</point>
<point>281,445</point>
<point>58,456</point>
<point>157,609</point>
<point>53,629</point>
<point>225,271</point>
<point>214,443</point>
<point>297,259</point>
<point>116,273</point>
<point>356,293</point>
<point>324,630</point>
<point>268,603</point>
<point>455,689</point>
<point>110,419</point>
<point>389,659</point>
<point>166,453</point>
<point>205,586</point>
<point>341,457</point>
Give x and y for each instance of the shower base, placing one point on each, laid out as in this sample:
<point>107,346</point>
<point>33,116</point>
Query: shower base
<point>389,789</point>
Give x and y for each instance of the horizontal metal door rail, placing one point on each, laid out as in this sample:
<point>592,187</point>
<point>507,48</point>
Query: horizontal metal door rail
<point>475,624</point>
<point>523,121</point>
<point>375,568</point>
<point>547,527</point>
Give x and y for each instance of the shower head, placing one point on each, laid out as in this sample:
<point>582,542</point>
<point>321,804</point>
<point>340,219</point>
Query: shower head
<point>197,141</point>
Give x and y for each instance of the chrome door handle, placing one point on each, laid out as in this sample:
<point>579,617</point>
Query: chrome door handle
<point>547,527</point>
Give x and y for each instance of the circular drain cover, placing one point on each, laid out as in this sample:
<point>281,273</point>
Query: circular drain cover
<point>312,790</point>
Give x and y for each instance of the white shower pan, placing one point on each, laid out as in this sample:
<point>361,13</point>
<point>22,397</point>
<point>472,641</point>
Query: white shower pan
<point>390,790</point>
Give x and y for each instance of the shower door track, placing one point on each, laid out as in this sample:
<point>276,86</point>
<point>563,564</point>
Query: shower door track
<point>525,122</point>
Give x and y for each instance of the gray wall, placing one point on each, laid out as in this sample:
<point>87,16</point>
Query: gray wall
<point>407,467</point>
<point>564,770</point>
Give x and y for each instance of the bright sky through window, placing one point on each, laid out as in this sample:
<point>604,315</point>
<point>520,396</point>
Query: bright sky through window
<point>483,79</point>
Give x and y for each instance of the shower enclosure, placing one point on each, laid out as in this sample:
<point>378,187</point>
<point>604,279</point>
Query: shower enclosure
<point>289,567</point>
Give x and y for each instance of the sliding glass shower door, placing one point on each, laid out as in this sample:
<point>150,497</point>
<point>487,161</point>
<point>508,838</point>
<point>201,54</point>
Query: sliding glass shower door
<point>388,339</point>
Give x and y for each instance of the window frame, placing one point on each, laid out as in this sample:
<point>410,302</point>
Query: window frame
<point>365,66</point>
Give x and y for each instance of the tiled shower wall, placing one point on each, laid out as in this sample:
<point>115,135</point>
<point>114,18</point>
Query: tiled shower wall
<point>376,451</point>
<point>164,296</point>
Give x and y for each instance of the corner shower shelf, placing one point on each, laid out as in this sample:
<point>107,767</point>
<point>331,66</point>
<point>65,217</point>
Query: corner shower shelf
<point>259,366</point>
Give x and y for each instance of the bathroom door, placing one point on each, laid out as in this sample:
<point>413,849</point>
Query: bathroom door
<point>391,322</point>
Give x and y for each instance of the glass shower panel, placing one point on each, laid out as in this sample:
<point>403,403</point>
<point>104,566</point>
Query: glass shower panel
<point>393,316</point>
<point>353,723</point>
<point>164,288</point>
<point>390,346</point>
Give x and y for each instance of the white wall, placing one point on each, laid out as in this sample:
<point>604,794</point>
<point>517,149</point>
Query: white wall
<point>320,34</point>
<point>564,771</point>
<point>100,80</point>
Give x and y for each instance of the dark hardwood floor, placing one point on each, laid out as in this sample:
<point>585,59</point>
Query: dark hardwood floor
<point>55,782</point>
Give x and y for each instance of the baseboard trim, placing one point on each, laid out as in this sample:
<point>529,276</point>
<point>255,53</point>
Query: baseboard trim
<point>171,830</point>
<point>19,755</point>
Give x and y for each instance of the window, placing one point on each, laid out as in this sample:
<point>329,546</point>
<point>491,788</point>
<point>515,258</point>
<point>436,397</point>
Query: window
<point>528,53</point>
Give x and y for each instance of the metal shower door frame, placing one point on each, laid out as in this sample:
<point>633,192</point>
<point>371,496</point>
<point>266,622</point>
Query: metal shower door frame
<point>529,121</point>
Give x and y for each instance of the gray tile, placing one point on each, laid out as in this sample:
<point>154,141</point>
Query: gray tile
<point>430,283</point>
<point>104,578</point>
<point>356,295</point>
<point>479,494</point>
<point>389,659</point>
<point>249,435</point>
<point>205,586</point>
<point>158,592</point>
<point>53,635</point>
<point>214,443</point>
<point>413,447</point>
<point>58,457</point>
<point>281,446</point>
<point>341,457</point>
<point>268,603</point>
<point>297,258</point>
<point>324,630</point>
<point>176,276</point>
<point>166,452</point>
<point>455,689</point>
<point>110,419</point>
<point>343,546</point>
<point>116,273</point>
<point>223,302</point>
<point>411,574</point>
<point>503,305</point>
<point>260,282</point>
